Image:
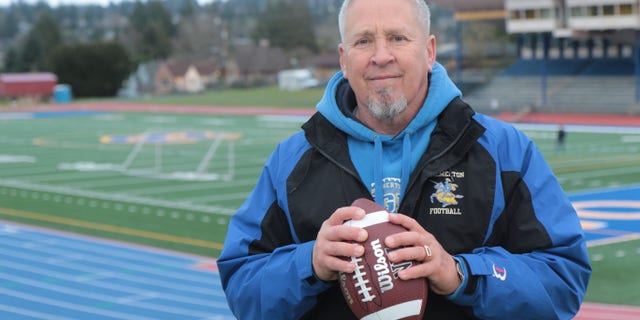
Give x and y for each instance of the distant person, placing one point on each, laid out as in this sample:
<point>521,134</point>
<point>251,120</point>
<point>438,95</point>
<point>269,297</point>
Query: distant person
<point>560,138</point>
<point>489,226</point>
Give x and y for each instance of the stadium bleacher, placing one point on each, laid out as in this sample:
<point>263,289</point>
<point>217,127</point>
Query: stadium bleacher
<point>588,45</point>
<point>581,85</point>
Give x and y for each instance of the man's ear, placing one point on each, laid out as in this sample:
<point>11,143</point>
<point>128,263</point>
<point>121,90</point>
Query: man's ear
<point>343,64</point>
<point>431,51</point>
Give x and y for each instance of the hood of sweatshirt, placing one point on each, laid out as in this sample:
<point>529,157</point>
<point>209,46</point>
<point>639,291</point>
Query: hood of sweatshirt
<point>385,162</point>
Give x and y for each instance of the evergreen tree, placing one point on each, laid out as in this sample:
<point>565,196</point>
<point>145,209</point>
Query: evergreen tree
<point>286,24</point>
<point>94,69</point>
<point>139,18</point>
<point>43,37</point>
<point>12,61</point>
<point>10,23</point>
<point>187,9</point>
<point>152,26</point>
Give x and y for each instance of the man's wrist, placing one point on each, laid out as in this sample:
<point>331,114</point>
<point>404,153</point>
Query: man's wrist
<point>462,272</point>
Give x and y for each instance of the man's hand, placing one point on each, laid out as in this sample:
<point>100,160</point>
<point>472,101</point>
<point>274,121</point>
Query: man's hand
<point>332,244</point>
<point>435,263</point>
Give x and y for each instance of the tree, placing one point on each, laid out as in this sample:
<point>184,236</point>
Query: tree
<point>40,41</point>
<point>93,70</point>
<point>287,24</point>
<point>139,18</point>
<point>10,24</point>
<point>151,30</point>
<point>187,9</point>
<point>201,36</point>
<point>12,61</point>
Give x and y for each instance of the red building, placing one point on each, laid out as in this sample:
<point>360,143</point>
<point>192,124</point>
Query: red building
<point>27,84</point>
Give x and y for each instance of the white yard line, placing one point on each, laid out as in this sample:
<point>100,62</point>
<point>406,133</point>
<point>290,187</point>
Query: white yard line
<point>116,197</point>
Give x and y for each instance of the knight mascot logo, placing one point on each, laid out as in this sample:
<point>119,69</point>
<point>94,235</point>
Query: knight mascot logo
<point>445,193</point>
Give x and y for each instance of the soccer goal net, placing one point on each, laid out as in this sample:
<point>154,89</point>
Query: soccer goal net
<point>182,155</point>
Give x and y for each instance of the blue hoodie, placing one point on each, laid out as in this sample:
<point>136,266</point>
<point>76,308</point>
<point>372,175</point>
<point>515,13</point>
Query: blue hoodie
<point>386,160</point>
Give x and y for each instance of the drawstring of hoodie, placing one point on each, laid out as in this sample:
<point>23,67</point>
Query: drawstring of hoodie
<point>406,164</point>
<point>378,170</point>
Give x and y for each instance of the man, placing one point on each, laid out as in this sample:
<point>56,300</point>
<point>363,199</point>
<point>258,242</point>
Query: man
<point>493,232</point>
<point>562,134</point>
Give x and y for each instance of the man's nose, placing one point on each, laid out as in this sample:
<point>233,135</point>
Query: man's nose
<point>382,54</point>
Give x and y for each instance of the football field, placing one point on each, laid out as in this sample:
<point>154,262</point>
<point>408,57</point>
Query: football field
<point>171,178</point>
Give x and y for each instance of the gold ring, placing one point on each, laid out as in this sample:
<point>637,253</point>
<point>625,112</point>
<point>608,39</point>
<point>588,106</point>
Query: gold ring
<point>427,250</point>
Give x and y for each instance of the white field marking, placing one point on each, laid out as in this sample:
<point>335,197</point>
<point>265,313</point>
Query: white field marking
<point>597,159</point>
<point>623,238</point>
<point>296,119</point>
<point>24,172</point>
<point>219,197</point>
<point>217,122</point>
<point>188,187</point>
<point>100,181</point>
<point>592,225</point>
<point>596,173</point>
<point>176,176</point>
<point>37,175</point>
<point>160,119</point>
<point>70,306</point>
<point>542,135</point>
<point>591,209</point>
<point>110,117</point>
<point>578,128</point>
<point>630,139</point>
<point>569,164</point>
<point>30,313</point>
<point>137,300</point>
<point>116,197</point>
<point>11,158</point>
<point>88,166</point>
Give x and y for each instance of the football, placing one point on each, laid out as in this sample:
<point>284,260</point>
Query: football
<point>374,290</point>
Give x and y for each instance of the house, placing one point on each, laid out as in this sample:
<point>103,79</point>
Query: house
<point>187,76</point>
<point>251,65</point>
<point>141,81</point>
<point>27,85</point>
<point>324,65</point>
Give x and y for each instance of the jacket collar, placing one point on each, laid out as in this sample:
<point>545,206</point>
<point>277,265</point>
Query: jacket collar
<point>452,138</point>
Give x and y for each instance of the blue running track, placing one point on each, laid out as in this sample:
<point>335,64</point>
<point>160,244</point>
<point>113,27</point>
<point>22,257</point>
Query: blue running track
<point>52,275</point>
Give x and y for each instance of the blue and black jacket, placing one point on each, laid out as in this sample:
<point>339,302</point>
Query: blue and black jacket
<point>478,185</point>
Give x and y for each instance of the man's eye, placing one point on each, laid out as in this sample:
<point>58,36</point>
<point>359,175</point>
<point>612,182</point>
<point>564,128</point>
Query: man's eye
<point>397,38</point>
<point>362,42</point>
